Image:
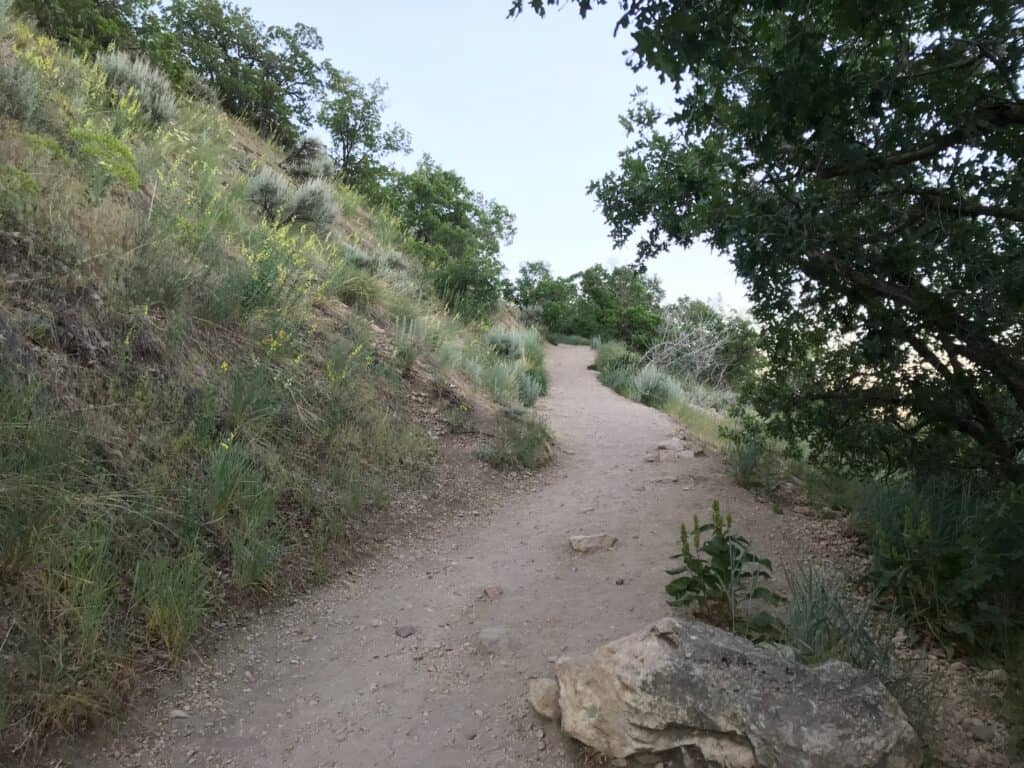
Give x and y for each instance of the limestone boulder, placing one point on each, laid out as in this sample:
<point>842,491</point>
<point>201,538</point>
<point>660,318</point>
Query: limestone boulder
<point>711,698</point>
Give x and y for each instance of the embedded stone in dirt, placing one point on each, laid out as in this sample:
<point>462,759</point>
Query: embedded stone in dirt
<point>406,630</point>
<point>592,543</point>
<point>675,444</point>
<point>542,693</point>
<point>494,640</point>
<point>493,592</point>
<point>706,696</point>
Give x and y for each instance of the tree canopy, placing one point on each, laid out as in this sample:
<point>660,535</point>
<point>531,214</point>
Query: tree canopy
<point>266,74</point>
<point>621,303</point>
<point>459,232</point>
<point>352,113</point>
<point>860,163</point>
<point>89,25</point>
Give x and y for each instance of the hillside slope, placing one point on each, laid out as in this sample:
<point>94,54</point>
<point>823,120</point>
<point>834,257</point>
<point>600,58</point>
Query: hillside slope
<point>206,371</point>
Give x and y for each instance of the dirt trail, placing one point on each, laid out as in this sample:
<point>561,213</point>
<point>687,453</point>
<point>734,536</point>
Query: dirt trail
<point>327,681</point>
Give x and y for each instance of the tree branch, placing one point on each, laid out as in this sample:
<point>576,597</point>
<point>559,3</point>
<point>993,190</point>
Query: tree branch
<point>987,118</point>
<point>981,348</point>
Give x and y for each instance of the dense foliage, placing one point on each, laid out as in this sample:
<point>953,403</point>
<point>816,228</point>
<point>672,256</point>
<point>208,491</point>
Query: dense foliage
<point>266,74</point>
<point>352,113</point>
<point>622,303</point>
<point>89,25</point>
<point>459,233</point>
<point>860,163</point>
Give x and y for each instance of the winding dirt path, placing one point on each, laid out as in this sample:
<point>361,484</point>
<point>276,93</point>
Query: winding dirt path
<point>327,681</point>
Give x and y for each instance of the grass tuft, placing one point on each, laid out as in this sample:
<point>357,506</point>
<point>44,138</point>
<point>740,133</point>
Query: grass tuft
<point>522,442</point>
<point>174,593</point>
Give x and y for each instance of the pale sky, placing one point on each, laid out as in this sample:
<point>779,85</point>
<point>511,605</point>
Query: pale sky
<point>526,110</point>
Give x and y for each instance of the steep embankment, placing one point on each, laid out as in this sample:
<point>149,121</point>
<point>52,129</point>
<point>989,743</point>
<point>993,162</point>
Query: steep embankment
<point>211,376</point>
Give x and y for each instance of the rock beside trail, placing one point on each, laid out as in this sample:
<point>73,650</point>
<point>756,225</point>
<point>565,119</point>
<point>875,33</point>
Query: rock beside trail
<point>542,693</point>
<point>592,542</point>
<point>712,698</point>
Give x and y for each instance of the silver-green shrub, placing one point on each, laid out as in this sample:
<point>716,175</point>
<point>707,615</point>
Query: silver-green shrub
<point>312,203</point>
<point>269,191</point>
<point>128,73</point>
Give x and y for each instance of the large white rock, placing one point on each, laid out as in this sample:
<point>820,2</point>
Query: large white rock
<point>720,700</point>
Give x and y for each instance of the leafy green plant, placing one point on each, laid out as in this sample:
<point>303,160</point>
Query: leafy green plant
<point>105,159</point>
<point>720,575</point>
<point>174,592</point>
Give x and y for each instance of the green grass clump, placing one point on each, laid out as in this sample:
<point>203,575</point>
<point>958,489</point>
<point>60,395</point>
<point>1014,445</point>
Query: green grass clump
<point>519,370</point>
<point>703,409</point>
<point>129,73</point>
<point>614,355</point>
<point>824,622</point>
<point>238,501</point>
<point>175,595</point>
<point>949,557</point>
<point>620,380</point>
<point>353,285</point>
<point>522,442</point>
<point>751,461</point>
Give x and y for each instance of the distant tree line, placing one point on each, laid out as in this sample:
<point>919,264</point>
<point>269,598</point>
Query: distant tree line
<point>692,339</point>
<point>274,78</point>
